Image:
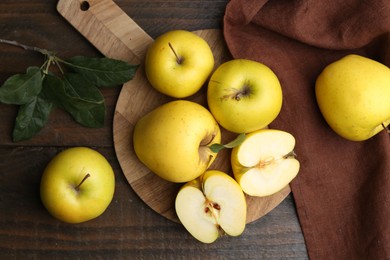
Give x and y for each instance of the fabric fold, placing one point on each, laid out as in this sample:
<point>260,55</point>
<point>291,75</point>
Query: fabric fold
<point>342,192</point>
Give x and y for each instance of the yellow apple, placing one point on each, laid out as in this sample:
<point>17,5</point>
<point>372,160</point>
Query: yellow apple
<point>244,95</point>
<point>174,140</point>
<point>264,163</point>
<point>77,185</point>
<point>353,95</point>
<point>178,63</point>
<point>212,205</point>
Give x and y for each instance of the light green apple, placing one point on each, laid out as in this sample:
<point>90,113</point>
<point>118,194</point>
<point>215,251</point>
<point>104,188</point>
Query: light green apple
<point>212,205</point>
<point>178,63</point>
<point>174,140</point>
<point>353,95</point>
<point>244,95</point>
<point>77,185</point>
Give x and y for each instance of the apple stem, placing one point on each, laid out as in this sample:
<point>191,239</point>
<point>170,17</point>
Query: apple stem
<point>77,188</point>
<point>238,94</point>
<point>179,60</point>
<point>386,128</point>
<point>291,154</point>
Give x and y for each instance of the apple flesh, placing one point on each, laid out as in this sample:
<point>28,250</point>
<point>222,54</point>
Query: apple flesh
<point>77,185</point>
<point>178,63</point>
<point>212,205</point>
<point>353,95</point>
<point>244,95</point>
<point>173,140</point>
<point>264,162</point>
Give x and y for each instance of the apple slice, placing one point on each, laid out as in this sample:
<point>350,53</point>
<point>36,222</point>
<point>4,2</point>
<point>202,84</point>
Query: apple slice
<point>212,205</point>
<point>264,163</point>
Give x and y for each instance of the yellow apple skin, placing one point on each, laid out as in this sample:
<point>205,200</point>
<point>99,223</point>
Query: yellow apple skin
<point>353,95</point>
<point>212,202</point>
<point>173,78</point>
<point>65,172</point>
<point>264,162</point>
<point>244,95</point>
<point>173,140</point>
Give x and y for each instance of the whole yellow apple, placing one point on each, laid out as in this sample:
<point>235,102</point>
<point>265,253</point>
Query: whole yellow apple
<point>178,63</point>
<point>353,95</point>
<point>244,95</point>
<point>174,140</point>
<point>77,185</point>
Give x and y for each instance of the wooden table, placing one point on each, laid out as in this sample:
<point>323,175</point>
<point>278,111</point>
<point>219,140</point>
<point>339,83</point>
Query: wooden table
<point>128,229</point>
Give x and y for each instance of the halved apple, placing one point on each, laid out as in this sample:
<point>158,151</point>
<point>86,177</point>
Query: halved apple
<point>264,163</point>
<point>212,205</point>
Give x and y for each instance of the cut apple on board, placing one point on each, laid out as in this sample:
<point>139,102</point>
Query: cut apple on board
<point>264,163</point>
<point>212,205</point>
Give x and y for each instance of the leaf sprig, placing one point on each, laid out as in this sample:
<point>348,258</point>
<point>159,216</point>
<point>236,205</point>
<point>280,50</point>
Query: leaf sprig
<point>75,90</point>
<point>215,148</point>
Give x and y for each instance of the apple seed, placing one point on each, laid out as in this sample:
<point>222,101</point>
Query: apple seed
<point>212,209</point>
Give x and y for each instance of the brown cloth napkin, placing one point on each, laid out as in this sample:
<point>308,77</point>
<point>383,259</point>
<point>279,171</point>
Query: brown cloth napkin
<point>342,192</point>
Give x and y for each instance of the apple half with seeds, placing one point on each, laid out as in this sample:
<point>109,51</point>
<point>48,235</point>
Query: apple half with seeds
<point>264,163</point>
<point>211,206</point>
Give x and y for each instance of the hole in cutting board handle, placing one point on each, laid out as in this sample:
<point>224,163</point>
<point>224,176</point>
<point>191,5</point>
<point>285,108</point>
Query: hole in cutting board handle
<point>84,6</point>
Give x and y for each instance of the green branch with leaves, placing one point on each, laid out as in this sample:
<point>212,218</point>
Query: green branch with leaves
<point>76,90</point>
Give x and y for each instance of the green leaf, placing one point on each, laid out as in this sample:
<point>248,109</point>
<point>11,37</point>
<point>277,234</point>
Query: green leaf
<point>31,118</point>
<point>21,89</point>
<point>79,89</point>
<point>102,72</point>
<point>78,97</point>
<point>215,148</point>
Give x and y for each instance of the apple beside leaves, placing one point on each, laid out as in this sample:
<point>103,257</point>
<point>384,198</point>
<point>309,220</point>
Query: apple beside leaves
<point>77,185</point>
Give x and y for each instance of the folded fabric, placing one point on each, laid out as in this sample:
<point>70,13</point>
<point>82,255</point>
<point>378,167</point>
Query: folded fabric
<point>342,191</point>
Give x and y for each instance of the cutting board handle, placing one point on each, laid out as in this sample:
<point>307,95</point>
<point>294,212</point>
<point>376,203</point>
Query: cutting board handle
<point>107,27</point>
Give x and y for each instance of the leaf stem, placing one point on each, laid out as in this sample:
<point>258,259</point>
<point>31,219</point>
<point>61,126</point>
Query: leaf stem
<point>26,47</point>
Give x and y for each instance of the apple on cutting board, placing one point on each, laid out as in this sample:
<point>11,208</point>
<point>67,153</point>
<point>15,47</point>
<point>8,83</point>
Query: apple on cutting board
<point>77,185</point>
<point>244,95</point>
<point>178,63</point>
<point>264,163</point>
<point>174,140</point>
<point>211,206</point>
<point>353,95</point>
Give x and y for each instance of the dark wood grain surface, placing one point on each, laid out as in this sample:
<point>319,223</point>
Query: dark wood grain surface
<point>128,229</point>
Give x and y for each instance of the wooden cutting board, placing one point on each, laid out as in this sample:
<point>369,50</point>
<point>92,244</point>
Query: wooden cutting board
<point>117,36</point>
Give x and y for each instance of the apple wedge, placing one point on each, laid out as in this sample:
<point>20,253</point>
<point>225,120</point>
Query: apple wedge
<point>212,205</point>
<point>264,163</point>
